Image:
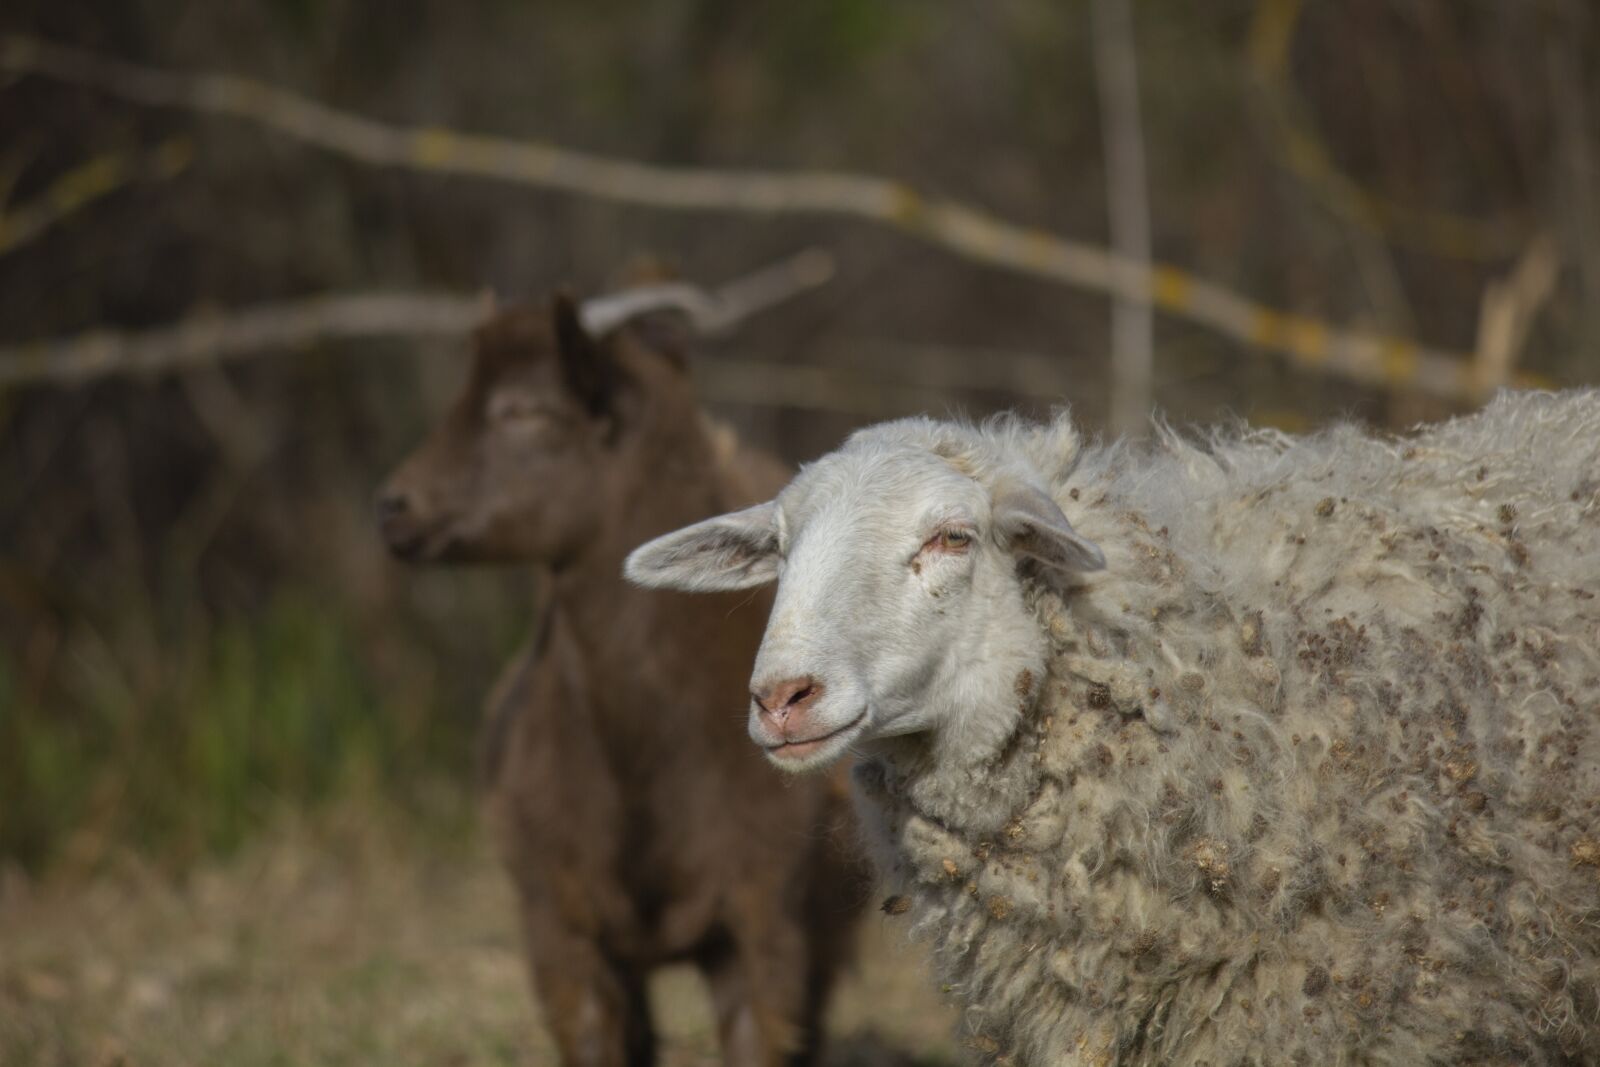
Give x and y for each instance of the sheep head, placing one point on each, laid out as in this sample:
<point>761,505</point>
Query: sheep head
<point>899,609</point>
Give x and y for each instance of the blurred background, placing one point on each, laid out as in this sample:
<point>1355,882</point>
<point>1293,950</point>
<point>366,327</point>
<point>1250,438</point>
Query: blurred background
<point>219,698</point>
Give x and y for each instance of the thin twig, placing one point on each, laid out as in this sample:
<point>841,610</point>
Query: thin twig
<point>1313,344</point>
<point>86,184</point>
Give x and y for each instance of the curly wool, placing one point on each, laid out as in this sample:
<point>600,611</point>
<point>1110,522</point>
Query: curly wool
<point>1314,775</point>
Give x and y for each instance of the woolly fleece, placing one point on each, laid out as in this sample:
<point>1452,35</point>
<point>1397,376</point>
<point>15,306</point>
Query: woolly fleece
<point>1314,773</point>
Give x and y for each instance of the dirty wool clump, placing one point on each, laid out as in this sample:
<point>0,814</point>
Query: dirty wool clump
<point>1313,776</point>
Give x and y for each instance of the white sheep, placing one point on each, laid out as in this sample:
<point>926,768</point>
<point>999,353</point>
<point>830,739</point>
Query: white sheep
<point>1282,751</point>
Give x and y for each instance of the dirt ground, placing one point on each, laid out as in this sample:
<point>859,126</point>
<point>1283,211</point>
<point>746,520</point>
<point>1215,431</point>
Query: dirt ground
<point>347,944</point>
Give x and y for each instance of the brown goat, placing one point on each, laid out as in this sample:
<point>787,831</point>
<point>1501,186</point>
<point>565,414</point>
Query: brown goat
<point>638,823</point>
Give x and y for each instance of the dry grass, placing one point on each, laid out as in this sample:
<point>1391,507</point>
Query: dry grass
<point>347,943</point>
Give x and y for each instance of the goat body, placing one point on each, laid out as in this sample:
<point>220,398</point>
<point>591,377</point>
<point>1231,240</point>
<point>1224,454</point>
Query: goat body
<point>637,825</point>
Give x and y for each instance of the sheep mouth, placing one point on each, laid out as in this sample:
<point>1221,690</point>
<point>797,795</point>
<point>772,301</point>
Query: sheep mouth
<point>803,753</point>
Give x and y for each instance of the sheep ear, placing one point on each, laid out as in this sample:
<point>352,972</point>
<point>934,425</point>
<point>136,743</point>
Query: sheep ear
<point>1030,524</point>
<point>734,551</point>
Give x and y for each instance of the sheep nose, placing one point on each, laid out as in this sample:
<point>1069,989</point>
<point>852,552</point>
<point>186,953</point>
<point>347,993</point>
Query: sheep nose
<point>787,704</point>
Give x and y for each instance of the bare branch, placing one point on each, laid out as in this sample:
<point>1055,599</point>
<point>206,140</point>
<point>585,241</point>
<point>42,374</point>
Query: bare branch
<point>217,337</point>
<point>1313,344</point>
<point>1577,162</point>
<point>1508,310</point>
<point>717,312</point>
<point>1116,67</point>
<point>206,340</point>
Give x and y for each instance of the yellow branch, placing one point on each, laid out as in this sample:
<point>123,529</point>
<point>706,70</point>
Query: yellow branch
<point>1358,356</point>
<point>210,337</point>
<point>1304,154</point>
<point>85,184</point>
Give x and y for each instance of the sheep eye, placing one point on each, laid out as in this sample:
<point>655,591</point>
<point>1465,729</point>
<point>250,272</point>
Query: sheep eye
<point>951,539</point>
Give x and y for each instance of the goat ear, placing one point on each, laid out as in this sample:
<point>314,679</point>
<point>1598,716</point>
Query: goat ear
<point>734,551</point>
<point>1030,524</point>
<point>586,364</point>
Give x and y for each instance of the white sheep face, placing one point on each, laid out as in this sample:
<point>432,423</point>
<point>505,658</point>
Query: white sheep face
<point>899,609</point>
